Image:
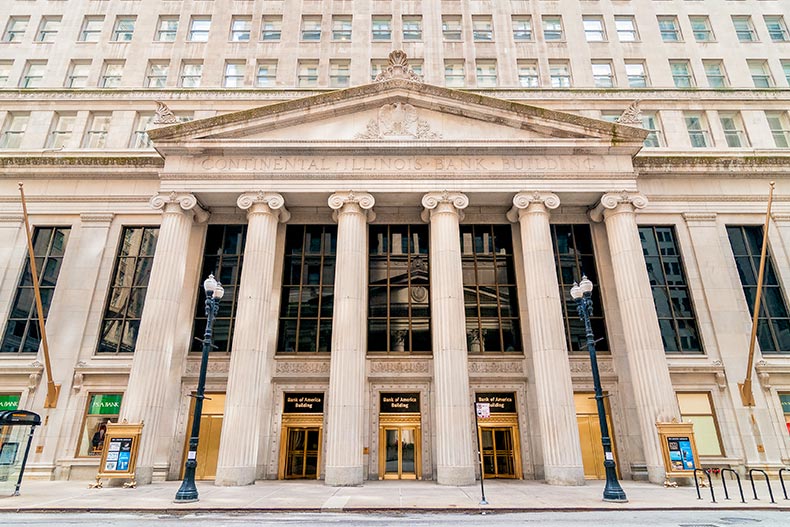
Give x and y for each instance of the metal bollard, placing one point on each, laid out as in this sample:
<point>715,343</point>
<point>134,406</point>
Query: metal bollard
<point>724,483</point>
<point>710,484</point>
<point>767,482</point>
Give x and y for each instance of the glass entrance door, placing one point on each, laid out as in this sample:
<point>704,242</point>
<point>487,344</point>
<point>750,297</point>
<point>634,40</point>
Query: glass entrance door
<point>400,452</point>
<point>498,452</point>
<point>301,458</point>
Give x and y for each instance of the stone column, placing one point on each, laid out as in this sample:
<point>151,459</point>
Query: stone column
<point>455,458</point>
<point>249,377</point>
<point>653,392</point>
<point>559,431</point>
<point>346,401</point>
<point>145,395</point>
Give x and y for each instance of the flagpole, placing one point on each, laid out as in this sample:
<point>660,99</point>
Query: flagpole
<point>53,390</point>
<point>747,396</point>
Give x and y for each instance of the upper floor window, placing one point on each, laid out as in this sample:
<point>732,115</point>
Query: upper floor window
<point>681,73</point>
<point>651,123</point>
<point>715,73</point>
<point>482,28</point>
<point>412,27</point>
<point>91,29</point>
<point>167,29</point>
<point>272,28</point>
<point>156,77</point>
<point>486,73</point>
<point>124,29</point>
<point>382,27</point>
<point>199,28</point>
<point>779,123</point>
<point>140,137</point>
<point>528,76</point>
<point>267,74</point>
<point>48,28</point>
<point>522,27</point>
<point>111,74</point>
<point>15,29</point>
<point>14,129</point>
<point>761,75</point>
<point>454,75</point>
<point>786,69</point>
<point>341,28</point>
<point>669,28</point>
<point>734,132</point>
<point>191,74</point>
<point>777,28</point>
<point>62,130</point>
<point>339,73</point>
<point>451,27</point>
<point>700,27</point>
<point>307,74</point>
<point>744,28</point>
<point>33,76</point>
<point>603,74</point>
<point>311,28</point>
<point>637,74</point>
<point>593,29</point>
<point>240,28</point>
<point>98,129</point>
<point>234,73</point>
<point>22,334</point>
<point>552,28</point>
<point>5,71</point>
<point>560,74</point>
<point>626,28</point>
<point>697,128</point>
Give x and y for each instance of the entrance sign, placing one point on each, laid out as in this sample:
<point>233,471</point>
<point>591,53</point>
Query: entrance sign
<point>399,403</point>
<point>483,410</point>
<point>119,455</point>
<point>303,403</point>
<point>499,403</point>
<point>9,401</point>
<point>679,448</point>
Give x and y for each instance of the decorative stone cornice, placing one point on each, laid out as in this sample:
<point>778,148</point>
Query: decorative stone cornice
<point>781,217</point>
<point>96,219</point>
<point>254,202</point>
<point>445,201</point>
<point>631,116</point>
<point>524,200</point>
<point>185,200</point>
<point>699,217</point>
<point>362,201</point>
<point>612,200</point>
<point>164,115</point>
<point>398,68</point>
<point>11,218</point>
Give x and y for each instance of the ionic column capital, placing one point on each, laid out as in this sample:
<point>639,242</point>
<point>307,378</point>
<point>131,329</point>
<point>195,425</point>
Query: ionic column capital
<point>179,202</point>
<point>261,202</point>
<point>537,201</point>
<point>349,201</point>
<point>443,202</point>
<point>623,201</point>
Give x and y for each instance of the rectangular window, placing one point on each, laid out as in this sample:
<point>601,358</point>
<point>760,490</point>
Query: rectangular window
<point>650,122</point>
<point>124,29</point>
<point>700,26</point>
<point>91,29</point>
<point>15,29</point>
<point>77,76</point>
<point>603,76</point>
<point>744,28</point>
<point>62,130</point>
<point>14,129</point>
<point>593,29</point>
<point>575,257</point>
<point>307,74</point>
<point>33,76</point>
<point>48,28</point>
<point>490,295</point>
<point>482,28</point>
<point>111,75</point>
<point>522,28</point>
<point>140,137</point>
<point>773,325</point>
<point>272,28</point>
<point>399,313</point>
<point>157,74</point>
<point>234,74</point>
<point>121,321</point>
<point>5,71</point>
<point>307,300</point>
<point>341,28</point>
<point>223,255</point>
<point>697,128</point>
<point>626,28</point>
<point>311,28</point>
<point>669,28</point>
<point>451,27</point>
<point>671,294</point>
<point>167,29</point>
<point>734,132</point>
<point>776,27</point>
<point>486,73</point>
<point>102,408</point>
<point>412,28</point>
<point>191,74</point>
<point>99,127</point>
<point>454,75</point>
<point>339,73</point>
<point>761,75</point>
<point>637,74</point>
<point>199,28</point>
<point>714,72</point>
<point>780,128</point>
<point>22,333</point>
<point>698,408</point>
<point>552,28</point>
<point>528,76</point>
<point>681,73</point>
<point>382,27</point>
<point>560,74</point>
<point>786,69</point>
<point>240,28</point>
<point>267,74</point>
<point>784,400</point>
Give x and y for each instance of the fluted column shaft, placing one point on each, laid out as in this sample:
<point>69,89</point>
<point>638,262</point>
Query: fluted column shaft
<point>653,392</point>
<point>559,430</point>
<point>346,401</point>
<point>454,446</point>
<point>146,393</point>
<point>249,376</point>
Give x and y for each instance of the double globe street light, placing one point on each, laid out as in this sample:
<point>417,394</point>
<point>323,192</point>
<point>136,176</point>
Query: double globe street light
<point>214,292</point>
<point>582,294</point>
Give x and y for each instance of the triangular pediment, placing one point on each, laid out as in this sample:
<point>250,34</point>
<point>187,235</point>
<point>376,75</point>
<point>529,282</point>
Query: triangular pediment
<point>395,113</point>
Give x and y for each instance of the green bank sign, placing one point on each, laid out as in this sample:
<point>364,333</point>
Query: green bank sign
<point>9,401</point>
<point>785,398</point>
<point>105,404</point>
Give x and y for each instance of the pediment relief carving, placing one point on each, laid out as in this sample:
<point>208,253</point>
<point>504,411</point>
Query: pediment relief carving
<point>397,121</point>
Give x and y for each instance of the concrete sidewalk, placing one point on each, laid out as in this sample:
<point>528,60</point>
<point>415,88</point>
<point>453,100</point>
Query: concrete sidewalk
<point>406,496</point>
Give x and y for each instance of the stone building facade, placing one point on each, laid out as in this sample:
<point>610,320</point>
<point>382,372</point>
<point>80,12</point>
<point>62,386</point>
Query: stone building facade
<point>397,233</point>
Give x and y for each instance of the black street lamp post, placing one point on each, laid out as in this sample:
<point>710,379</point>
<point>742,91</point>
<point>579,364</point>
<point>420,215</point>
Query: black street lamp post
<point>582,294</point>
<point>188,491</point>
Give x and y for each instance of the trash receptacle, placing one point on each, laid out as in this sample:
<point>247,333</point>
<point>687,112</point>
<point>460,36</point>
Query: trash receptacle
<point>16,435</point>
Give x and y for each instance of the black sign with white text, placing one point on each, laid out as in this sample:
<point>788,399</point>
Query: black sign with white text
<point>303,403</point>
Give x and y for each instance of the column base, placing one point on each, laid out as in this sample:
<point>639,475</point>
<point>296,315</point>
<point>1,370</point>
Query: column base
<point>343,476</point>
<point>656,474</point>
<point>234,476</point>
<point>567,476</point>
<point>143,475</point>
<point>456,476</point>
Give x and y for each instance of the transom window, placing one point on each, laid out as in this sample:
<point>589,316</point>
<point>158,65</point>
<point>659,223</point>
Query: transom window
<point>307,301</point>
<point>399,316</point>
<point>121,321</point>
<point>22,333</point>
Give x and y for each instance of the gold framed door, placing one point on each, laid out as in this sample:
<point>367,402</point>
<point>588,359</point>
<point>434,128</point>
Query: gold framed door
<point>399,450</point>
<point>590,435</point>
<point>300,447</point>
<point>499,456</point>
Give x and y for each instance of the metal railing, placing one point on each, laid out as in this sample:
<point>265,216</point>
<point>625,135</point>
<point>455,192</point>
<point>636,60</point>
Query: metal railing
<point>724,483</point>
<point>767,482</point>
